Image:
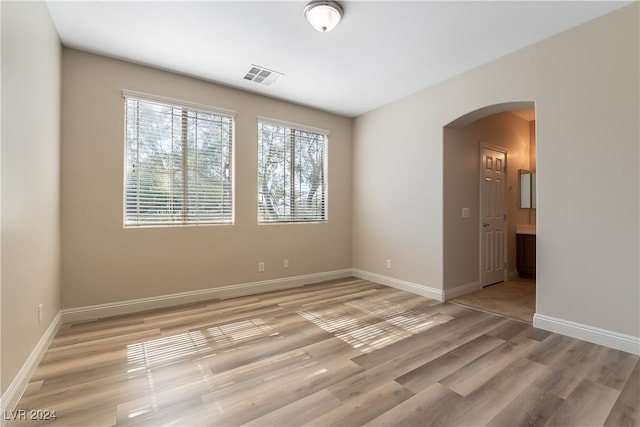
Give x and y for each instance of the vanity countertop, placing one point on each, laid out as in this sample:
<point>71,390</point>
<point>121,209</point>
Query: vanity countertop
<point>526,229</point>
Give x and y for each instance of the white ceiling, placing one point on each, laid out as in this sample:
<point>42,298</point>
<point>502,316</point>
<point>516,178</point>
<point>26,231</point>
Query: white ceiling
<point>381,51</point>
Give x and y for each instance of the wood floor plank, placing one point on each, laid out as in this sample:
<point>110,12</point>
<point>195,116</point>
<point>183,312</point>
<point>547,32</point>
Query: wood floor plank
<point>587,405</point>
<point>428,374</point>
<point>551,349</point>
<point>314,298</point>
<point>235,356</point>
<point>143,410</point>
<point>245,404</point>
<point>533,408</point>
<point>299,412</point>
<point>347,296</point>
<point>474,374</point>
<point>614,370</point>
<point>509,329</point>
<point>299,295</point>
<point>626,410</point>
<point>431,407</point>
<point>71,368</point>
<point>169,328</point>
<point>571,368</point>
<point>262,370</point>
<point>483,404</point>
<point>365,407</point>
<point>229,388</point>
<point>539,334</point>
<point>98,345</point>
<point>98,333</point>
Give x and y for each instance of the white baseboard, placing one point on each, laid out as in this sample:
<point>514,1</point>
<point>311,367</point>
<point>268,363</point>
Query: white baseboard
<point>91,312</point>
<point>461,290</point>
<point>414,288</point>
<point>611,339</point>
<point>16,389</point>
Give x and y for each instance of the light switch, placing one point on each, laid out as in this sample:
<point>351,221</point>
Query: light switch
<point>466,213</point>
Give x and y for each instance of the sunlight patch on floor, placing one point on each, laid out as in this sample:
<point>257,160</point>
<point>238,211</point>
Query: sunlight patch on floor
<point>382,323</point>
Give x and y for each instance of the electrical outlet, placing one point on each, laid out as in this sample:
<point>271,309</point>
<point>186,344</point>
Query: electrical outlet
<point>261,267</point>
<point>388,263</point>
<point>40,313</point>
<point>285,264</point>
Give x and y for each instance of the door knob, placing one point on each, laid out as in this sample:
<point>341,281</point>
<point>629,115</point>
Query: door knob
<point>486,224</point>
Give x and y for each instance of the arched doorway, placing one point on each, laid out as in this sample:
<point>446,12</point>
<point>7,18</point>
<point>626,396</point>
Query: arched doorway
<point>508,127</point>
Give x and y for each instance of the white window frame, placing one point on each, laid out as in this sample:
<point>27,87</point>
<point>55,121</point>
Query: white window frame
<point>188,215</point>
<point>288,215</point>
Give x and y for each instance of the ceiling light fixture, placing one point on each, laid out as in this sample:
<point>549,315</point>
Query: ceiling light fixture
<point>323,15</point>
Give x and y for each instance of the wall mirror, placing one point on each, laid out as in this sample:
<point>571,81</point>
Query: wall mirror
<point>527,189</point>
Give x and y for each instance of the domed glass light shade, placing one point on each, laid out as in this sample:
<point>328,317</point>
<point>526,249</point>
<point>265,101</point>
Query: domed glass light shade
<point>323,15</point>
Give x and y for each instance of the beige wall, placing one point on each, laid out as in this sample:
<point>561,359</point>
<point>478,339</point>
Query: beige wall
<point>461,183</point>
<point>585,86</point>
<point>103,263</point>
<point>30,180</point>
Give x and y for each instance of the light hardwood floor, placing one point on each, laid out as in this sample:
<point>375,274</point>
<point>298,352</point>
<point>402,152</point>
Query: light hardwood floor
<point>341,353</point>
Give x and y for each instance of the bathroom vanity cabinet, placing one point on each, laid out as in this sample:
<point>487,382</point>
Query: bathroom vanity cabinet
<point>526,255</point>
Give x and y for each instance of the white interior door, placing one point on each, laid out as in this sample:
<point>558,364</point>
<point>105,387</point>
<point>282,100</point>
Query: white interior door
<point>493,210</point>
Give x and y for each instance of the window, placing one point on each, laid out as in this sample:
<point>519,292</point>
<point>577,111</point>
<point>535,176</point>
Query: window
<point>291,173</point>
<point>178,163</point>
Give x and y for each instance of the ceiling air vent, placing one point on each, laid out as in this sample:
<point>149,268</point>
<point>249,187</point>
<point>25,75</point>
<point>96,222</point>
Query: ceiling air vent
<point>262,75</point>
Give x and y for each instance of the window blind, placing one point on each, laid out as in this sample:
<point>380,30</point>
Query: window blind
<point>291,174</point>
<point>178,164</point>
